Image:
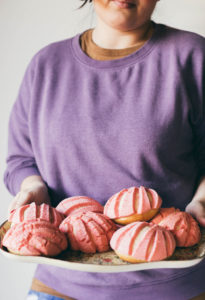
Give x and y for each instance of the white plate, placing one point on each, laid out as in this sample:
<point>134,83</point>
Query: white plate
<point>107,262</point>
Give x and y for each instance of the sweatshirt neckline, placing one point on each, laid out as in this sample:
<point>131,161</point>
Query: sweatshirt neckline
<point>116,63</point>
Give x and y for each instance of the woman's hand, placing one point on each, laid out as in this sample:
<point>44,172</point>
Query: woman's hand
<point>197,206</point>
<point>197,209</point>
<point>33,189</point>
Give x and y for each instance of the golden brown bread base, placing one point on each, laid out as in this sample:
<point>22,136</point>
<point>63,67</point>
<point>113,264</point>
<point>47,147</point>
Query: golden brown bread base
<point>17,253</point>
<point>130,258</point>
<point>137,217</point>
<point>13,252</point>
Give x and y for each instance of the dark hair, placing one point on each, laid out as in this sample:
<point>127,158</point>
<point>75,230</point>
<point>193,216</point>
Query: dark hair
<point>85,1</point>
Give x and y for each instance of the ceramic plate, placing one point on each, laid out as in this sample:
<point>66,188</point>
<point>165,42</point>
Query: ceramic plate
<point>109,262</point>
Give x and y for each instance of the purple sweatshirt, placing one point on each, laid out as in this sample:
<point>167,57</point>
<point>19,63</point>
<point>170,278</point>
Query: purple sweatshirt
<point>93,127</point>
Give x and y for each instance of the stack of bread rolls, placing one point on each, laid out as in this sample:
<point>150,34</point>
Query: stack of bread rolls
<point>151,233</point>
<point>132,223</point>
<point>77,223</point>
<point>35,231</point>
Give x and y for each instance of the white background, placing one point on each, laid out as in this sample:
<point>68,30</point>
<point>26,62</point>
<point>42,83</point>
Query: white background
<point>25,27</point>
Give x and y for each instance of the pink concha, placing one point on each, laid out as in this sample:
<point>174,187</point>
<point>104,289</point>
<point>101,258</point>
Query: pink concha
<point>33,212</point>
<point>88,232</point>
<point>142,241</point>
<point>162,213</point>
<point>183,226</point>
<point>131,201</point>
<point>78,204</point>
<point>35,238</point>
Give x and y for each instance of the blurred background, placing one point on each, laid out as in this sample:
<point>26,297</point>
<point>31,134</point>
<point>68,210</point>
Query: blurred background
<point>25,27</point>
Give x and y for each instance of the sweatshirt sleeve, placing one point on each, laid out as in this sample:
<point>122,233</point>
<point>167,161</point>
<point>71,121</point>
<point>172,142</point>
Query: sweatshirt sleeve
<point>197,91</point>
<point>200,146</point>
<point>20,159</point>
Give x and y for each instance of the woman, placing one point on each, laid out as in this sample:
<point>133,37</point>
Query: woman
<point>119,105</point>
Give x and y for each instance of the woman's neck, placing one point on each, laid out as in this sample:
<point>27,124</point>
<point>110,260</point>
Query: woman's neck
<point>110,38</point>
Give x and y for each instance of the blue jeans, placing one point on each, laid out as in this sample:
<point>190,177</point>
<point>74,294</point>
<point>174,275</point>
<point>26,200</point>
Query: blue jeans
<point>33,295</point>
